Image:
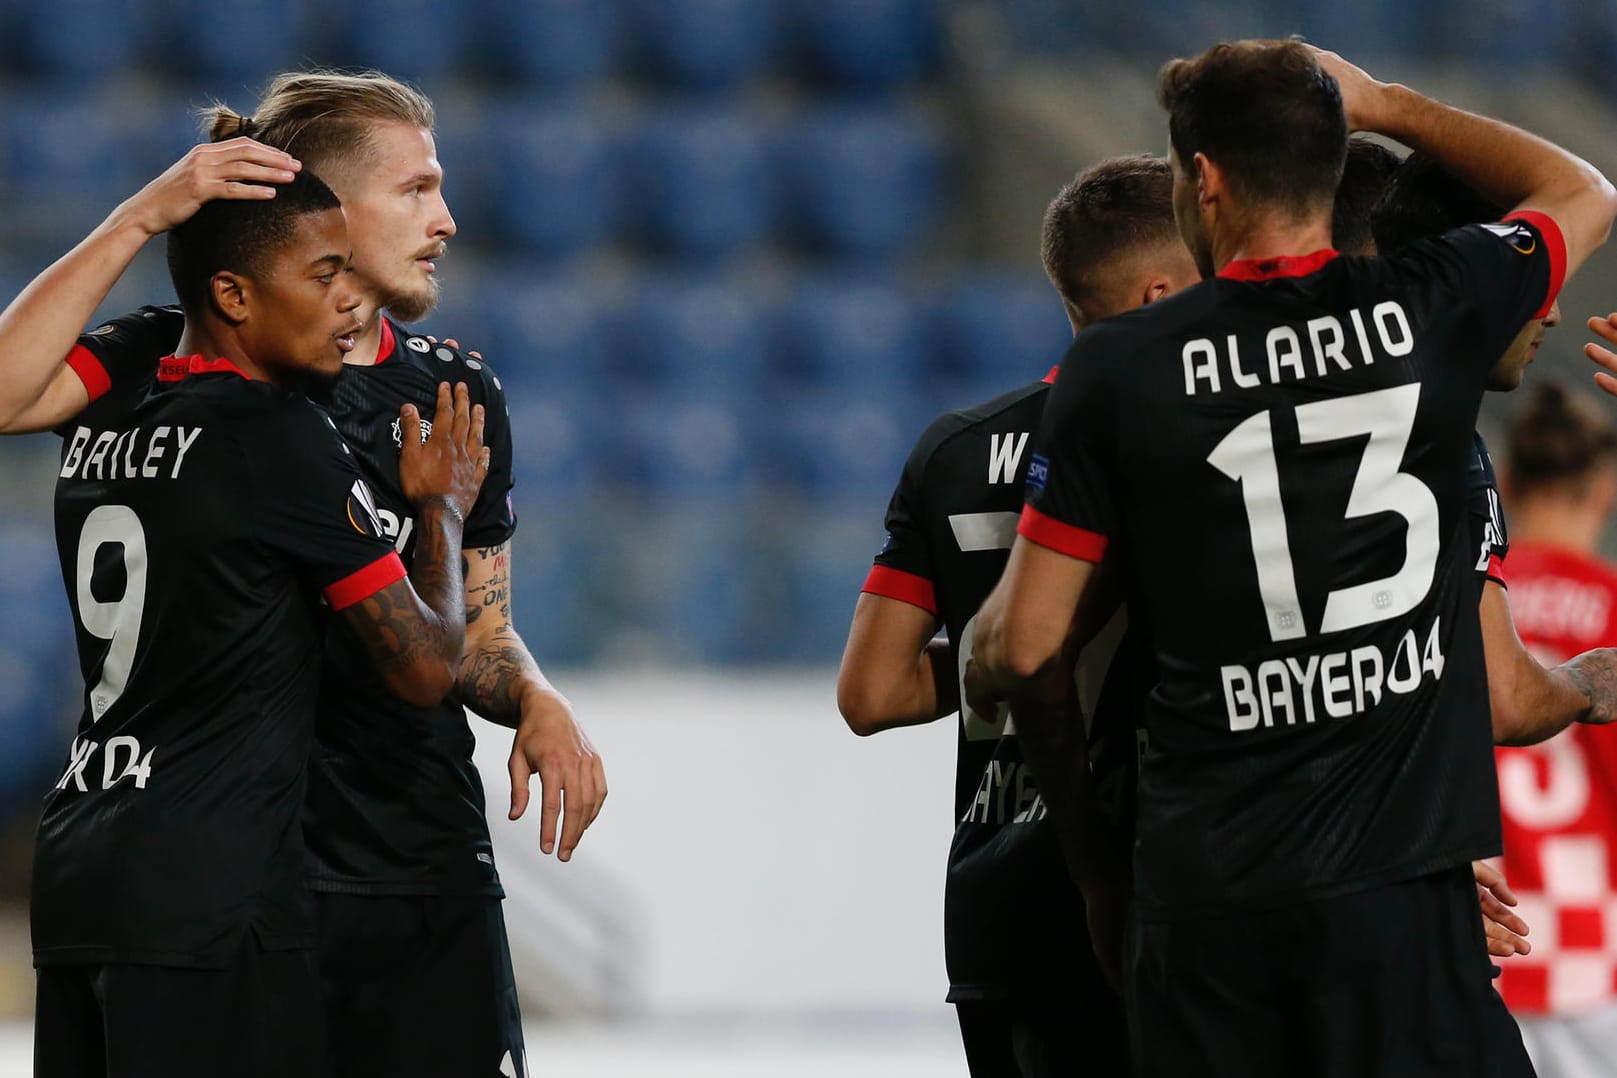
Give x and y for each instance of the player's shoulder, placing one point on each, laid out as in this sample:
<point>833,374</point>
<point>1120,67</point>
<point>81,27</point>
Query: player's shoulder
<point>447,363</point>
<point>1015,410</point>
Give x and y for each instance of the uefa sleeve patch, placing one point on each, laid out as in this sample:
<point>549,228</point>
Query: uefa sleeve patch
<point>362,512</point>
<point>1038,472</point>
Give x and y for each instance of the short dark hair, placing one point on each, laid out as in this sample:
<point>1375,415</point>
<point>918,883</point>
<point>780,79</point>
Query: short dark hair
<point>1111,207</point>
<point>1560,436</point>
<point>239,234</point>
<point>1365,175</point>
<point>1424,199</point>
<point>1266,113</point>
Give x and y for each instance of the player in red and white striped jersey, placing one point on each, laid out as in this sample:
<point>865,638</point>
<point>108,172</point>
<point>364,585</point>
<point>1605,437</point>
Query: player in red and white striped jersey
<point>1559,798</point>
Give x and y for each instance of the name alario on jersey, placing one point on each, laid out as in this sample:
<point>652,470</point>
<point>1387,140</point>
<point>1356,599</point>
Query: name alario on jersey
<point>1284,454</point>
<point>367,833</point>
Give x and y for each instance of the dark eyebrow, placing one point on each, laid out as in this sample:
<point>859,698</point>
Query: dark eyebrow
<point>337,261</point>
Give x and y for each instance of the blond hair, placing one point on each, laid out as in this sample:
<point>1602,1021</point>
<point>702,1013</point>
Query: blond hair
<point>325,118</point>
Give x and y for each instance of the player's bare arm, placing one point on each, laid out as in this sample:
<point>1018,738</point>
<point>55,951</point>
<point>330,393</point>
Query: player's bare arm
<point>893,672</point>
<point>500,680</point>
<point>415,629</point>
<point>38,329</point>
<point>1505,164</point>
<point>1531,703</point>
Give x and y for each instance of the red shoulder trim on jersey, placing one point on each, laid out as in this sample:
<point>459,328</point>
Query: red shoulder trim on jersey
<point>1496,570</point>
<point>1050,379</point>
<point>1061,537</point>
<point>1554,246</point>
<point>87,365</point>
<point>357,587</point>
<point>179,368</point>
<point>1267,269</point>
<point>389,342</point>
<point>905,587</point>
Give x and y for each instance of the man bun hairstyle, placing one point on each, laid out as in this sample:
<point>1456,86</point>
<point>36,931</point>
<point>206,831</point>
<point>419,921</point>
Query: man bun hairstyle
<point>1110,209</point>
<point>1267,114</point>
<point>1423,200</point>
<point>240,235</point>
<point>1366,173</point>
<point>325,118</point>
<point>1560,437</point>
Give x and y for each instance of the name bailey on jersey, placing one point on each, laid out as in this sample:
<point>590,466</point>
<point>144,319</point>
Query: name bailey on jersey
<point>130,454</point>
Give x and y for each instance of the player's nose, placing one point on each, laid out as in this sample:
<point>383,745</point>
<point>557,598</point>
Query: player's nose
<point>1553,319</point>
<point>445,223</point>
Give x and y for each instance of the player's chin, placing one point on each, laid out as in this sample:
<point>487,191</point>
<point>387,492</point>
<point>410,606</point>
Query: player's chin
<point>415,304</point>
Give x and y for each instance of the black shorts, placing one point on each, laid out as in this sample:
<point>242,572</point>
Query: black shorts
<point>1392,981</point>
<point>1041,1039</point>
<point>419,986</point>
<point>258,1018</point>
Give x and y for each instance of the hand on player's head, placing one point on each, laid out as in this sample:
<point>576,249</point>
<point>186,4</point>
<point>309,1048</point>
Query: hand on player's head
<point>237,168</point>
<point>1360,92</point>
<point>451,461</point>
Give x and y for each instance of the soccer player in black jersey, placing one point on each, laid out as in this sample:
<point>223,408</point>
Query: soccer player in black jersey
<point>200,518</point>
<point>417,971</point>
<point>1031,999</point>
<point>1280,455</point>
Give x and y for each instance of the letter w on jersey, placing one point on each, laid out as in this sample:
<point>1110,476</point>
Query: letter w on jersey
<point>1004,454</point>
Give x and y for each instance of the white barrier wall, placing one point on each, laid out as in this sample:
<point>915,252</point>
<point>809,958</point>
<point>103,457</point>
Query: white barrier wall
<point>768,861</point>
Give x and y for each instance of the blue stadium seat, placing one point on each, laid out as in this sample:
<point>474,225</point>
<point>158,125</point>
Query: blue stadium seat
<point>66,157</point>
<point>551,192</point>
<point>555,437</point>
<point>679,446</point>
<point>853,334</point>
<point>698,183</point>
<point>833,444</point>
<point>705,334</point>
<point>866,44</point>
<point>991,332</point>
<point>553,604</point>
<point>861,183</point>
<point>542,333</point>
<point>827,556</point>
<point>71,41</point>
<point>555,44</point>
<point>702,45</point>
<point>410,39</point>
<point>232,53</point>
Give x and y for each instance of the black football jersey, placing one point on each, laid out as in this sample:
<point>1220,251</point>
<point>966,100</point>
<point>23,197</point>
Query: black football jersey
<point>1490,540</point>
<point>395,803</point>
<point>1281,454</point>
<point>1013,921</point>
<point>199,527</point>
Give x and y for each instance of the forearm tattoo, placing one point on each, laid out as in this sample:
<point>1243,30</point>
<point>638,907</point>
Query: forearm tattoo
<point>498,670</point>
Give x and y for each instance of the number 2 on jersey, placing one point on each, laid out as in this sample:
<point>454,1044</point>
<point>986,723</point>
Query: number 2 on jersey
<point>116,621</point>
<point>1387,416</point>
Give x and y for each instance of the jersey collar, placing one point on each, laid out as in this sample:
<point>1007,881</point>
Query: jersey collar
<point>1267,269</point>
<point>179,368</point>
<point>384,347</point>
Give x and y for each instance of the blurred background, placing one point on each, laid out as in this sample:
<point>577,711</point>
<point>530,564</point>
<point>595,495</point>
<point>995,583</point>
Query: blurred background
<point>728,258</point>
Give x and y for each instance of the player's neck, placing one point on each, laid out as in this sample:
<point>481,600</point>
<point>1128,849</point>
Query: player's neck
<point>219,342</point>
<point>1556,522</point>
<point>367,343</point>
<point>1268,238</point>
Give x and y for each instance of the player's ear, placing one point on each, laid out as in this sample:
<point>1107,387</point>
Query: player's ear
<point>228,291</point>
<point>1209,179</point>
<point>1155,288</point>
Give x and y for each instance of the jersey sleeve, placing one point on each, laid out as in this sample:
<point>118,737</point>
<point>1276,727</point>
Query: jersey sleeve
<point>904,569</point>
<point>1489,537</point>
<point>1070,501</point>
<point>317,511</point>
<point>122,354</point>
<point>493,518</point>
<point>1499,275</point>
